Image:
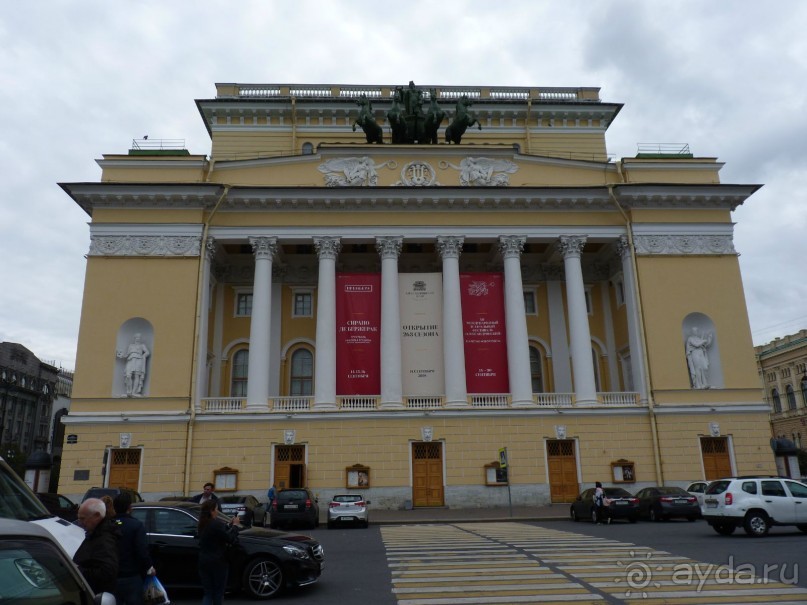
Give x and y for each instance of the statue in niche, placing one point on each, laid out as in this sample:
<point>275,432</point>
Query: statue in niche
<point>134,373</point>
<point>697,352</point>
<point>463,119</point>
<point>366,120</point>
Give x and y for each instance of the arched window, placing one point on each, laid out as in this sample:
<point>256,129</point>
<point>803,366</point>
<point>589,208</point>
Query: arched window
<point>791,397</point>
<point>308,148</point>
<point>777,403</point>
<point>240,373</point>
<point>536,370</point>
<point>302,373</point>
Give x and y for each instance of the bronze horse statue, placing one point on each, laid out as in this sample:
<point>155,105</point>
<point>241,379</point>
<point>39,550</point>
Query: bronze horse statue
<point>367,121</point>
<point>434,117</point>
<point>396,119</point>
<point>462,120</point>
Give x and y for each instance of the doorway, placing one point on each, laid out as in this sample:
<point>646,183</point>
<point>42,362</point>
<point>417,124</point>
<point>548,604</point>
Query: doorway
<point>716,458</point>
<point>562,465</point>
<point>427,474</point>
<point>124,468</point>
<point>290,466</point>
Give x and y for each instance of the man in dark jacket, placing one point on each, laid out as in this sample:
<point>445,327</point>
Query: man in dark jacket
<point>134,562</point>
<point>97,557</point>
<point>206,495</point>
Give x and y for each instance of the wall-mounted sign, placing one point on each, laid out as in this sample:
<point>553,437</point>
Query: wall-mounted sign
<point>72,439</point>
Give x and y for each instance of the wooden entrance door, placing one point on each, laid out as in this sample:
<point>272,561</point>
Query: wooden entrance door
<point>124,468</point>
<point>562,464</point>
<point>716,459</point>
<point>427,474</point>
<point>290,466</point>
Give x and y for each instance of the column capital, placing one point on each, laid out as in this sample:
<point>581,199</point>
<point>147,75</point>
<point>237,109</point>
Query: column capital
<point>623,247</point>
<point>263,247</point>
<point>571,246</point>
<point>389,247</point>
<point>449,246</point>
<point>210,249</point>
<point>511,246</point>
<point>327,248</point>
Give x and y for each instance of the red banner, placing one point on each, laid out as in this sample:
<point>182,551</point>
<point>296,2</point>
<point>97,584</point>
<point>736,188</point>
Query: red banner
<point>358,334</point>
<point>484,331</point>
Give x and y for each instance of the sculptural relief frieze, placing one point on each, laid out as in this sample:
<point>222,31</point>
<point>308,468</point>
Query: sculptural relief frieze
<point>483,172</point>
<point>683,244</point>
<point>353,172</point>
<point>145,245</point>
<point>417,174</point>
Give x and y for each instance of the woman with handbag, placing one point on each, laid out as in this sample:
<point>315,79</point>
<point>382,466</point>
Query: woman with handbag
<point>215,537</point>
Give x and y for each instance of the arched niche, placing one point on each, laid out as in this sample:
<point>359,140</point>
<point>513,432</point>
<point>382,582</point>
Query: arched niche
<point>134,346</point>
<point>701,352</point>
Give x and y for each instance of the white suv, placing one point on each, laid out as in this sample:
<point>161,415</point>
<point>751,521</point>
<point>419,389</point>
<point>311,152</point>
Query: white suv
<point>755,503</point>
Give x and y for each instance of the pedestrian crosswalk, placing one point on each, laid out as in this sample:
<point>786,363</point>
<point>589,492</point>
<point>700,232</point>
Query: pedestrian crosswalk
<point>501,562</point>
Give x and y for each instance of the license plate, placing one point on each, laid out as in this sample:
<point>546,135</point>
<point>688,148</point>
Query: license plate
<point>290,507</point>
<point>345,518</point>
<point>680,501</point>
<point>711,504</point>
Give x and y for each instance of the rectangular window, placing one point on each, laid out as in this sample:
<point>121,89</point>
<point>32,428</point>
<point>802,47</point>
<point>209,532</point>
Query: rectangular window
<point>530,304</point>
<point>243,304</point>
<point>303,306</point>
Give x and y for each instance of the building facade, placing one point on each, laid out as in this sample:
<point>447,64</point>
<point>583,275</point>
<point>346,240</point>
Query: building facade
<point>488,301</point>
<point>782,367</point>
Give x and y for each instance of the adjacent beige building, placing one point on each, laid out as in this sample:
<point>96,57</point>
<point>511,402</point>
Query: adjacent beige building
<point>300,307</point>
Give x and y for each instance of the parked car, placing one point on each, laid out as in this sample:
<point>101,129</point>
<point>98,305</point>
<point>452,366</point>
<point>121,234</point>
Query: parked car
<point>100,492</point>
<point>176,499</point>
<point>59,505</point>
<point>697,489</point>
<point>261,565</point>
<point>34,569</point>
<point>348,508</point>
<point>294,505</point>
<point>622,506</point>
<point>18,502</point>
<point>755,503</point>
<point>660,503</point>
<point>248,508</point>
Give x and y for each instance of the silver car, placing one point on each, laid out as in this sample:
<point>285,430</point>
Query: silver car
<point>697,489</point>
<point>348,508</point>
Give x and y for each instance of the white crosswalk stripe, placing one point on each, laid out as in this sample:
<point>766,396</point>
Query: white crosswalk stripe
<point>504,562</point>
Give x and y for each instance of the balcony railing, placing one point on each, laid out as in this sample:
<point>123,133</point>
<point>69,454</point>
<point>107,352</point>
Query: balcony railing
<point>361,403</point>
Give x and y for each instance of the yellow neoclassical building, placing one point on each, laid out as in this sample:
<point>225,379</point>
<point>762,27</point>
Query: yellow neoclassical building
<point>439,295</point>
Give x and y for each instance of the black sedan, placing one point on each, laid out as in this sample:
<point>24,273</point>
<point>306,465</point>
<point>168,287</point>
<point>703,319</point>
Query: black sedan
<point>659,503</point>
<point>622,505</point>
<point>59,505</point>
<point>262,564</point>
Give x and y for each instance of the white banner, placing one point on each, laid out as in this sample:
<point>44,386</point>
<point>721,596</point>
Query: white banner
<point>421,301</point>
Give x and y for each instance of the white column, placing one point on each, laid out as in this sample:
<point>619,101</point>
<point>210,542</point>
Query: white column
<point>325,356</point>
<point>391,385</point>
<point>518,346</point>
<point>632,311</point>
<point>264,249</point>
<point>204,311</point>
<point>561,369</point>
<point>579,332</point>
<point>453,341</point>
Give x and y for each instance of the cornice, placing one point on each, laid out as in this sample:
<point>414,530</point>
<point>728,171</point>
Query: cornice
<point>185,196</point>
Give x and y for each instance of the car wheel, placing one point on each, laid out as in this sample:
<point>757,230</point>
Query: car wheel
<point>263,578</point>
<point>724,529</point>
<point>573,514</point>
<point>756,524</point>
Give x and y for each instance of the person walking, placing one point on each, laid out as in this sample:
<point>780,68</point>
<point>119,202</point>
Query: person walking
<point>600,510</point>
<point>134,562</point>
<point>271,494</point>
<point>214,538</point>
<point>97,556</point>
<point>207,494</point>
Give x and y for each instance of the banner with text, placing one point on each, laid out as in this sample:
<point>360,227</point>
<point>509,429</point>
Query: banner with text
<point>484,332</point>
<point>358,333</point>
<point>421,303</point>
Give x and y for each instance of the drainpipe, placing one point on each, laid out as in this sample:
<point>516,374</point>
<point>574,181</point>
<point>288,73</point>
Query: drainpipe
<point>637,293</point>
<point>527,125</point>
<point>196,347</point>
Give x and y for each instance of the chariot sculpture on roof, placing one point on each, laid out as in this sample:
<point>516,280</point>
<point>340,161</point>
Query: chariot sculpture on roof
<point>411,122</point>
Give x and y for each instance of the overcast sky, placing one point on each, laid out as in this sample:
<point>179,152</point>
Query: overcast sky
<point>80,79</point>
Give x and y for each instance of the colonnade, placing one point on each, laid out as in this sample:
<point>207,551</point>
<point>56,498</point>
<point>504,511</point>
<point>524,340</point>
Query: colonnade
<point>450,248</point>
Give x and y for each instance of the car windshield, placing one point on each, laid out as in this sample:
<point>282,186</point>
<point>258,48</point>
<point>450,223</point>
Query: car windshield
<point>347,498</point>
<point>17,501</point>
<point>718,487</point>
<point>670,491</point>
<point>616,492</point>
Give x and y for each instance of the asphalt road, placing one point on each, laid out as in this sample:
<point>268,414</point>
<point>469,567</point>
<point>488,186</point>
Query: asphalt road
<point>357,569</point>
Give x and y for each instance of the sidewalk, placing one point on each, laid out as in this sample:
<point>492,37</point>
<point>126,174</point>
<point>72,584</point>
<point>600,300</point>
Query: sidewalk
<point>551,512</point>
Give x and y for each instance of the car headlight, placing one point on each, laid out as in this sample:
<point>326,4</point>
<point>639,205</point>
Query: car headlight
<point>296,551</point>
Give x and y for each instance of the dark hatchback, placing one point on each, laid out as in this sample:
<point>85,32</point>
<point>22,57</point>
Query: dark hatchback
<point>60,506</point>
<point>623,505</point>
<point>263,563</point>
<point>660,503</point>
<point>294,505</point>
